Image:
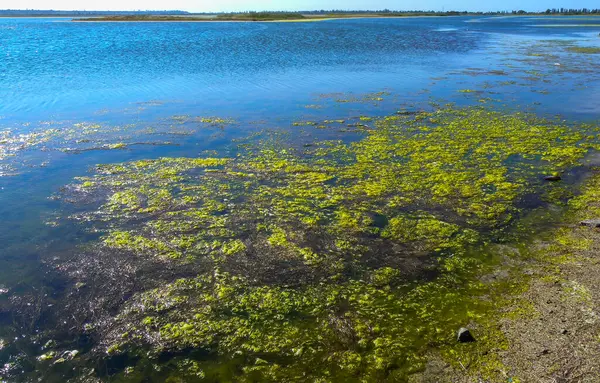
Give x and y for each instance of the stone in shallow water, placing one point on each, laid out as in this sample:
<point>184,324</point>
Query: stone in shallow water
<point>591,222</point>
<point>69,355</point>
<point>49,344</point>
<point>47,356</point>
<point>552,178</point>
<point>465,336</point>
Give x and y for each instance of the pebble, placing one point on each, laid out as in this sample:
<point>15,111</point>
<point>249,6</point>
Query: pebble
<point>591,222</point>
<point>465,336</point>
<point>544,352</point>
<point>49,344</point>
<point>70,354</point>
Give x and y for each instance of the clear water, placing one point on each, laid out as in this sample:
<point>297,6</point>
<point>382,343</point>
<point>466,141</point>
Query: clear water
<point>53,68</point>
<point>56,73</point>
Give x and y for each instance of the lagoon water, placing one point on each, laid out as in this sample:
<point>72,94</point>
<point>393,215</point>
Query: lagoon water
<point>149,77</point>
<point>57,69</point>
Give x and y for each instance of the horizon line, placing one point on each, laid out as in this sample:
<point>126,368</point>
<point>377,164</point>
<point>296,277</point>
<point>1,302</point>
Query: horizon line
<point>290,11</point>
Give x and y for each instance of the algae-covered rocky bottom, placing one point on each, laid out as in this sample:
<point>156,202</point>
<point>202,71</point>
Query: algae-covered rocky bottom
<point>335,261</point>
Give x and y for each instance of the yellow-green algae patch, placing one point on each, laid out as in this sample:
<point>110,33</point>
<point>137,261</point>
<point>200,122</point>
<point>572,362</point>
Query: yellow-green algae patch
<point>588,50</point>
<point>338,262</point>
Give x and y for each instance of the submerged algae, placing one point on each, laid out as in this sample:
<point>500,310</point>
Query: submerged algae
<point>534,62</point>
<point>315,251</point>
<point>587,50</point>
<point>75,138</point>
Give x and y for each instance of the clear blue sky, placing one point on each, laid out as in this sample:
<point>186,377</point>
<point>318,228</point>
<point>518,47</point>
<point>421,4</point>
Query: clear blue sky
<point>243,5</point>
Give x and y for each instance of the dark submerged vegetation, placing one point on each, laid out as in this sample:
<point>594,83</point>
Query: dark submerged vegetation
<point>337,261</point>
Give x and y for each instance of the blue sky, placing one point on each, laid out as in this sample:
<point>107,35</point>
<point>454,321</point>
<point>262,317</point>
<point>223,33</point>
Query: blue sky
<point>242,5</point>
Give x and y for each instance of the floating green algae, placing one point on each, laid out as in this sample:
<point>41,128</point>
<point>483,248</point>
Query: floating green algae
<point>17,145</point>
<point>344,98</point>
<point>547,61</point>
<point>588,50</point>
<point>343,261</point>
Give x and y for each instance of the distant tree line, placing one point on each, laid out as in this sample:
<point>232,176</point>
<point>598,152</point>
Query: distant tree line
<point>555,11</point>
<point>361,12</point>
<point>381,11</point>
<point>565,11</point>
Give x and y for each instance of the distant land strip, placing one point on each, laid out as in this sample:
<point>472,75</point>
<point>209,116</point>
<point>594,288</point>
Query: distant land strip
<point>178,15</point>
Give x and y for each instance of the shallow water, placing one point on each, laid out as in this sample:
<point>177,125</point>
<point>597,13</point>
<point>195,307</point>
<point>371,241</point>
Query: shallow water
<point>145,84</point>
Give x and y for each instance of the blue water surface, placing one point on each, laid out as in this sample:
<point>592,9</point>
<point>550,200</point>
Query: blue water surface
<point>55,68</point>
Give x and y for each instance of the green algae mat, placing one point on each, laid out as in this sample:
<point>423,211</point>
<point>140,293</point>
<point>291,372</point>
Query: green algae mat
<point>338,260</point>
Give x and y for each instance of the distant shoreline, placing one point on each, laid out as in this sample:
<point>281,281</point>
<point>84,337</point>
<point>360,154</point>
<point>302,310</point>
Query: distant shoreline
<point>213,20</point>
<point>303,18</point>
<point>270,17</point>
<point>240,18</point>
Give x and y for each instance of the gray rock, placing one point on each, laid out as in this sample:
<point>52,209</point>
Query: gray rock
<point>591,222</point>
<point>68,355</point>
<point>465,336</point>
<point>49,344</point>
<point>544,351</point>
